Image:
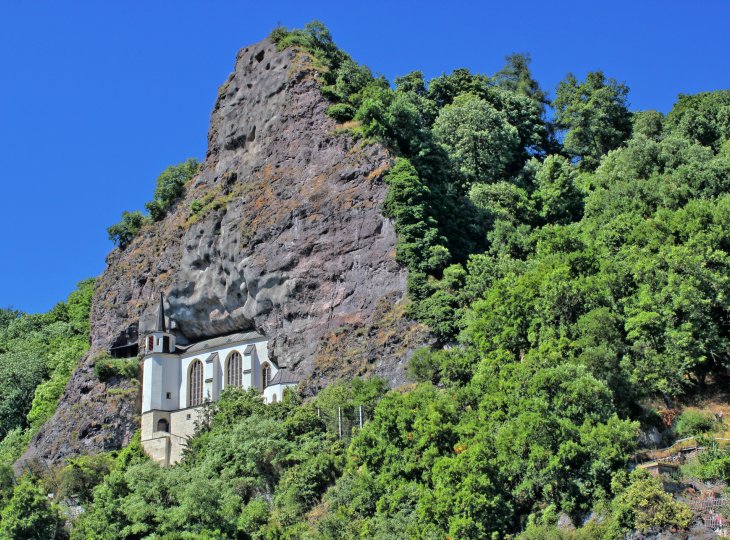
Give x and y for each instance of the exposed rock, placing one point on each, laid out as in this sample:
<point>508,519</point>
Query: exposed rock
<point>291,242</point>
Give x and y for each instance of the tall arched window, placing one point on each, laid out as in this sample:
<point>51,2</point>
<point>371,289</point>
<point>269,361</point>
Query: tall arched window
<point>234,370</point>
<point>265,375</point>
<point>195,384</point>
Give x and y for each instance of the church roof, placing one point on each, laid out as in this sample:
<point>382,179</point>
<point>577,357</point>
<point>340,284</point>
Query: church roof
<point>161,317</point>
<point>220,341</point>
<point>284,376</point>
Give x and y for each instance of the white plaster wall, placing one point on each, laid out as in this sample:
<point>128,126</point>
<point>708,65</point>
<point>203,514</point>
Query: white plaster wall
<point>160,375</point>
<point>275,389</point>
<point>218,373</point>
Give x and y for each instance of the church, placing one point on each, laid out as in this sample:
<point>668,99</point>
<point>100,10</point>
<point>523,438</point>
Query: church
<point>178,380</point>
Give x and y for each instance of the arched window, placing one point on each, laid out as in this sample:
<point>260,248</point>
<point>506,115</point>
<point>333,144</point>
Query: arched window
<point>265,375</point>
<point>163,425</point>
<point>234,369</point>
<point>273,398</point>
<point>195,384</point>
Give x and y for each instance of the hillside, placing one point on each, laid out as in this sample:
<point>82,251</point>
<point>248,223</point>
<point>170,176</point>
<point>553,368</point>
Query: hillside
<point>500,304</point>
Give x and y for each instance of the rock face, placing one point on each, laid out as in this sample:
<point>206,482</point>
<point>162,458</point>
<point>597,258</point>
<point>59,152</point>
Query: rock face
<point>289,240</point>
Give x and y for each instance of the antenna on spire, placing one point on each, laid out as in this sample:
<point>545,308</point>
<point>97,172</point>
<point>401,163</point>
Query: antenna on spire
<point>161,316</point>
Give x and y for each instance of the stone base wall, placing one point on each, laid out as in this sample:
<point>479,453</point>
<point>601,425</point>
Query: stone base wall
<point>166,447</point>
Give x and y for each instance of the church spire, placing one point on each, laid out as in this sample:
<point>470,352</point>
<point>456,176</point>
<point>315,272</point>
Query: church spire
<point>161,317</point>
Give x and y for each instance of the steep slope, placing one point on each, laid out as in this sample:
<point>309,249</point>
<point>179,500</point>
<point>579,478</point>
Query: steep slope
<point>289,239</point>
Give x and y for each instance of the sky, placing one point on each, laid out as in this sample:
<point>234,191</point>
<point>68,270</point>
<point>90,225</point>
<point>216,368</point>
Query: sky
<point>97,98</point>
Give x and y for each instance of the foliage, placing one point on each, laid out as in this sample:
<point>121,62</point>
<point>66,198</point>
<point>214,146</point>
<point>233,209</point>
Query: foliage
<point>108,368</point>
<point>123,233</point>
<point>643,505</point>
<point>29,515</point>
<point>595,115</point>
<point>170,187</point>
<point>38,353</point>
<point>692,422</point>
<point>711,465</point>
<point>420,247</point>
<point>81,474</point>
<point>478,138</point>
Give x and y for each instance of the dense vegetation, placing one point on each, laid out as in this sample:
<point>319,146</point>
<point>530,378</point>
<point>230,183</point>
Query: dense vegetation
<point>38,354</point>
<point>572,254</point>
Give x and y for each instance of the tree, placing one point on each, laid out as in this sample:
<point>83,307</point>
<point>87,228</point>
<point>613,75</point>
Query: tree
<point>170,187</point>
<point>477,137</point>
<point>594,115</point>
<point>420,246</point>
<point>644,506</point>
<point>556,195</point>
<point>30,515</point>
<point>123,233</point>
<point>516,77</point>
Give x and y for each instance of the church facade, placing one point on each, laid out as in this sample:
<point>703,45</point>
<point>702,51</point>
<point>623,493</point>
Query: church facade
<point>178,380</point>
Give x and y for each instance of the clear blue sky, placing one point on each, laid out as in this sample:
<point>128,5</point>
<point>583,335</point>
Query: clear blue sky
<point>97,98</point>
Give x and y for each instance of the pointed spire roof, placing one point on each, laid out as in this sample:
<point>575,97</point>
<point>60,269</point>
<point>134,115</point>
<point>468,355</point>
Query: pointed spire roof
<point>161,317</point>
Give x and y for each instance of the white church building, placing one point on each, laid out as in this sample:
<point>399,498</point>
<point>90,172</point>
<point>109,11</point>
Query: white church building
<point>178,380</point>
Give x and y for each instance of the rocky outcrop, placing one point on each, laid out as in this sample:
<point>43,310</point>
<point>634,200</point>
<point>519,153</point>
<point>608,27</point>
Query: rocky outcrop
<point>288,238</point>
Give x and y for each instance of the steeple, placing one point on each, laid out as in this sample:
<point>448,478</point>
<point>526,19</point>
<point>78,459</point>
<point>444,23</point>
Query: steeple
<point>161,317</point>
<point>160,340</point>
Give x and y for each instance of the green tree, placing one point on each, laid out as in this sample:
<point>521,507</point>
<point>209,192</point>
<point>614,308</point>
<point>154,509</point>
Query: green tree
<point>170,187</point>
<point>556,194</point>
<point>29,515</point>
<point>123,233</point>
<point>516,77</point>
<point>594,114</point>
<point>477,137</point>
<point>644,506</point>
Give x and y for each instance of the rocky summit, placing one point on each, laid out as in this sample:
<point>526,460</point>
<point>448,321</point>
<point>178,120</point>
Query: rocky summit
<point>287,238</point>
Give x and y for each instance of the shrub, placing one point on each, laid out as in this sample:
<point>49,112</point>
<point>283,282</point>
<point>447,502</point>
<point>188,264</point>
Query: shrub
<point>694,423</point>
<point>82,474</point>
<point>107,368</point>
<point>196,206</point>
<point>342,112</point>
<point>170,187</point>
<point>30,515</point>
<point>123,233</point>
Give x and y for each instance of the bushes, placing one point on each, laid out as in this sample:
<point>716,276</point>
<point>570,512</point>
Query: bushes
<point>693,422</point>
<point>123,233</point>
<point>106,368</point>
<point>342,112</point>
<point>29,515</point>
<point>170,187</point>
<point>82,474</point>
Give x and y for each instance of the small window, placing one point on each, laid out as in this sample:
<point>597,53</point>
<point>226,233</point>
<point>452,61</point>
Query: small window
<point>163,425</point>
<point>166,344</point>
<point>189,416</point>
<point>273,398</point>
<point>150,343</point>
<point>169,395</point>
<point>265,375</point>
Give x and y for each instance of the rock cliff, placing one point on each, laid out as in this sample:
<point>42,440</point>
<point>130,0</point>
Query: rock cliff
<point>289,239</point>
